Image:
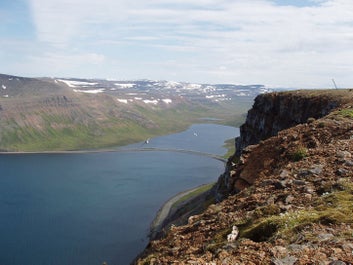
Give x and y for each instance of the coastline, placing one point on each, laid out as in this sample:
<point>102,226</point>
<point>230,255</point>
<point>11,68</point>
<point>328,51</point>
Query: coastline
<point>57,152</point>
<point>165,211</point>
<point>118,150</point>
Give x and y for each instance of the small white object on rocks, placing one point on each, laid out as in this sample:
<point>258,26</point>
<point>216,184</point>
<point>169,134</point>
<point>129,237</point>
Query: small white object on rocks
<point>233,236</point>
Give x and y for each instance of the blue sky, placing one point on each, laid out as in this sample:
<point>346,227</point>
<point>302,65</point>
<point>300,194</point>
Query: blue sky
<point>281,43</point>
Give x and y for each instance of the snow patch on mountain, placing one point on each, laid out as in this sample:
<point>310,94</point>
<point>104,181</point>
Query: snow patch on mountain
<point>92,91</point>
<point>122,100</point>
<point>73,83</point>
<point>125,85</point>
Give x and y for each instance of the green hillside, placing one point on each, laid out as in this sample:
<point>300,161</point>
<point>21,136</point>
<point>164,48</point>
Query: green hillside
<point>63,120</point>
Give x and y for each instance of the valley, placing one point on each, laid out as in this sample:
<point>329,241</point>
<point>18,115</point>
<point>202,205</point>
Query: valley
<point>56,114</point>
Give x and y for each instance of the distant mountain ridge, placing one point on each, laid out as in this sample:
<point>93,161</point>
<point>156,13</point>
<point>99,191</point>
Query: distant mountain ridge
<point>41,114</point>
<point>11,84</point>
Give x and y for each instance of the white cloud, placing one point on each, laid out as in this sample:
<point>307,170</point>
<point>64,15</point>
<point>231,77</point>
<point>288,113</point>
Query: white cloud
<point>60,65</point>
<point>207,41</point>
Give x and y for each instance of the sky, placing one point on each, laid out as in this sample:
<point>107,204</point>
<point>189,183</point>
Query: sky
<point>277,43</point>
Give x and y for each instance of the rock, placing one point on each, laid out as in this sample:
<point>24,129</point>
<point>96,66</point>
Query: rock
<point>175,251</point>
<point>325,237</point>
<point>284,174</point>
<point>337,250</point>
<point>294,136</point>
<point>285,208</point>
<point>309,190</point>
<point>304,173</point>
<point>344,154</point>
<point>313,142</point>
<point>280,184</point>
<point>266,183</point>
<point>288,260</point>
<point>308,196</point>
<point>349,163</point>
<point>337,262</point>
<point>279,251</point>
<point>299,182</point>
<point>192,219</point>
<point>317,169</point>
<point>342,172</point>
<point>213,209</point>
<point>249,148</point>
<point>295,247</point>
<point>347,247</point>
<point>289,199</point>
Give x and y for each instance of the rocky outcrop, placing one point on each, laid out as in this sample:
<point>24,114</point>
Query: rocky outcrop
<point>292,205</point>
<point>270,114</point>
<point>274,112</point>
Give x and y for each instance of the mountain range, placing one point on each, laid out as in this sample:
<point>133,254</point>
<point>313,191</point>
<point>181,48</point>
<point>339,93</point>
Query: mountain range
<point>49,114</point>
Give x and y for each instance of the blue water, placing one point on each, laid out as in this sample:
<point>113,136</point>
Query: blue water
<point>90,208</point>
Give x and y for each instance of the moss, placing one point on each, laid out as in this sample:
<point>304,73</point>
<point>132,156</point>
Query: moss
<point>341,114</point>
<point>261,231</point>
<point>348,113</point>
<point>230,146</point>
<point>321,125</point>
<point>218,240</point>
<point>300,153</point>
<point>196,192</point>
<point>333,208</point>
<point>268,210</point>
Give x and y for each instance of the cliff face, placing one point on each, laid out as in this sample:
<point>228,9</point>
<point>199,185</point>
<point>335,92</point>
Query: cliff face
<point>274,112</point>
<point>270,114</point>
<point>291,197</point>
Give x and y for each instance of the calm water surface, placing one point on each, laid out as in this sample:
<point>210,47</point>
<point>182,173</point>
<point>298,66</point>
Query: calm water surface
<point>89,208</point>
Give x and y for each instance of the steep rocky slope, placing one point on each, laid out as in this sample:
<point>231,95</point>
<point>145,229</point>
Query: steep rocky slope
<point>291,197</point>
<point>272,113</point>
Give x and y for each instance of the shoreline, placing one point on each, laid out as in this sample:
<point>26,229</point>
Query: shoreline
<point>118,150</point>
<point>57,152</point>
<point>165,211</point>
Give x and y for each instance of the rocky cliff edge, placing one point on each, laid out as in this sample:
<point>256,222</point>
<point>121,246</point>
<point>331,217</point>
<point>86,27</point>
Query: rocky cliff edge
<point>290,196</point>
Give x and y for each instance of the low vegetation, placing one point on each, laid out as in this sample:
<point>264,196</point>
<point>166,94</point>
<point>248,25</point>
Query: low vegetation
<point>194,193</point>
<point>329,209</point>
<point>300,153</point>
<point>346,113</point>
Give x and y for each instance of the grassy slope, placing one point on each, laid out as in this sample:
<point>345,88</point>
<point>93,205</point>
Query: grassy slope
<point>73,122</point>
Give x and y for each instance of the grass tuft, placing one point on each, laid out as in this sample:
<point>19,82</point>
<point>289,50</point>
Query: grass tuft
<point>348,113</point>
<point>329,209</point>
<point>300,153</point>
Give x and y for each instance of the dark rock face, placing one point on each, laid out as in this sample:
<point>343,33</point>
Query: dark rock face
<point>274,112</point>
<point>270,114</point>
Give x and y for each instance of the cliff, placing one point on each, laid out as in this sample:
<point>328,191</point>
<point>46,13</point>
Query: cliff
<point>270,114</point>
<point>288,198</point>
<point>274,112</point>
